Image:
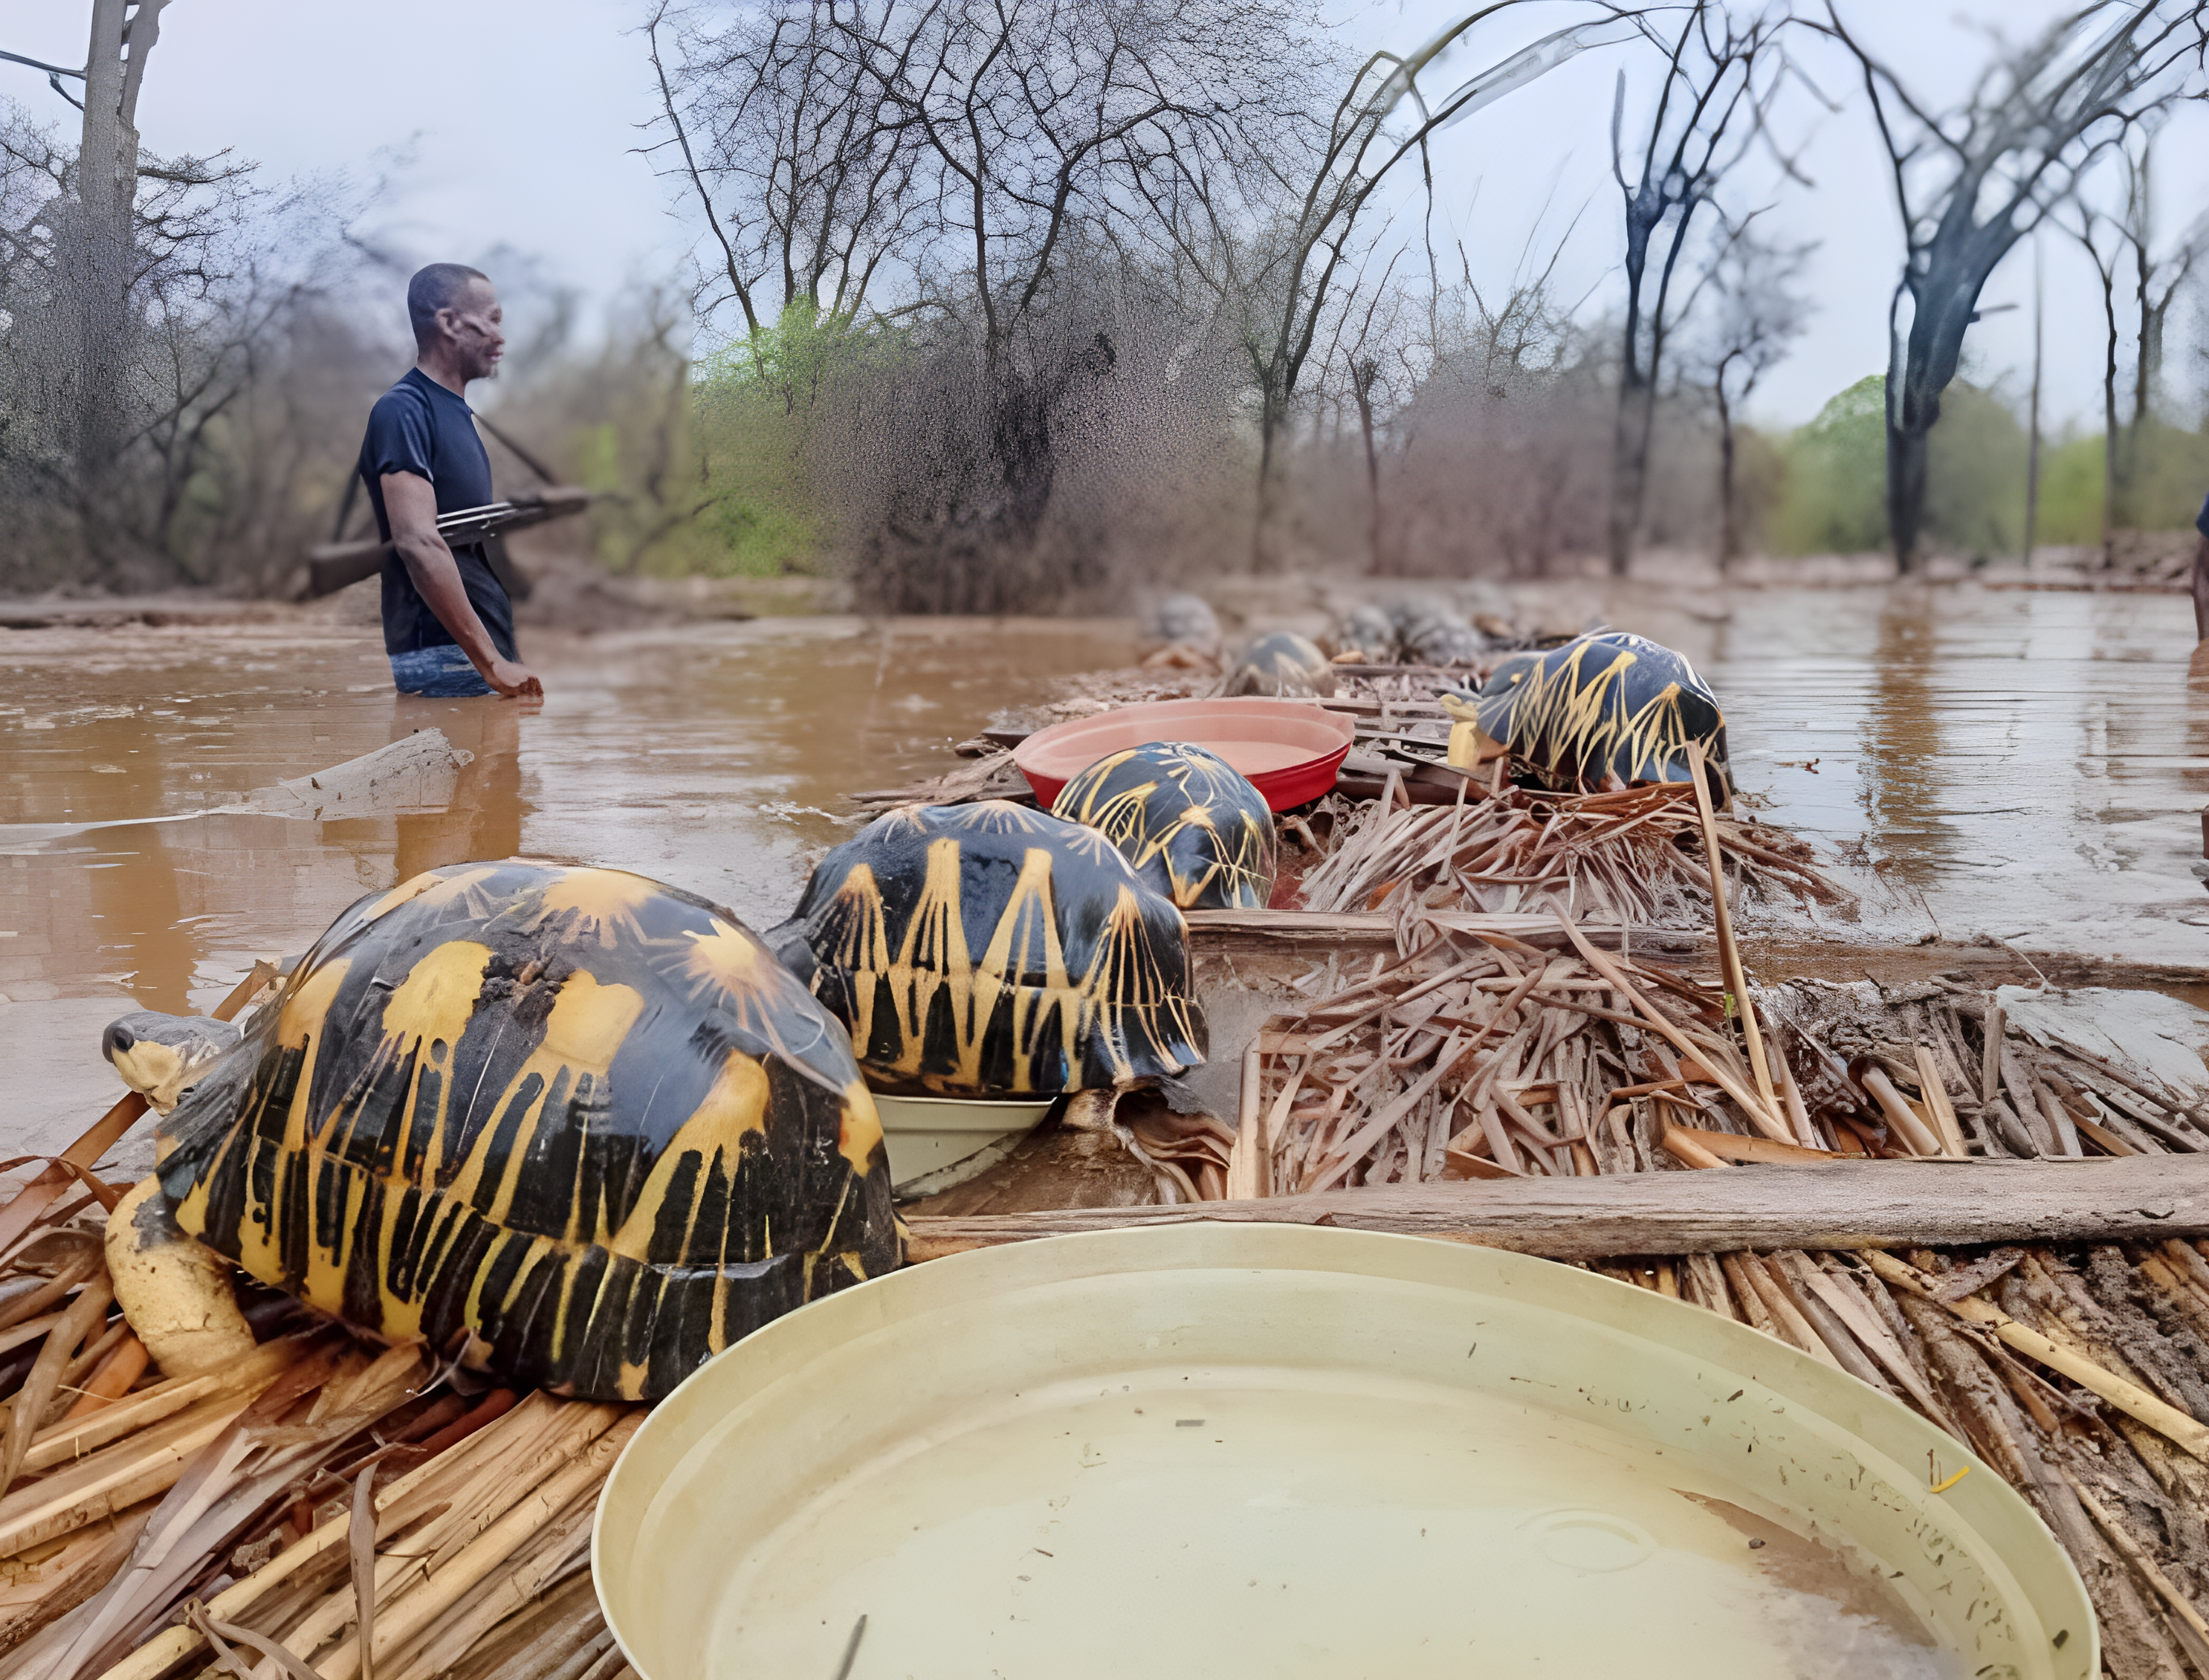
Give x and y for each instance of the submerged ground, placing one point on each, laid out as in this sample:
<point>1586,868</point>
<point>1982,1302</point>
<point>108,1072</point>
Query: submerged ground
<point>2018,765</point>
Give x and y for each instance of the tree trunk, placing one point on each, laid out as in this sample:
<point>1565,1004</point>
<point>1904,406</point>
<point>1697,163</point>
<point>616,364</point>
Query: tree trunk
<point>2033,421</point>
<point>1268,424</point>
<point>96,286</point>
<point>2111,482</point>
<point>1629,467</point>
<point>1729,526</point>
<point>1842,1204</point>
<point>1361,382</point>
<point>1906,492</point>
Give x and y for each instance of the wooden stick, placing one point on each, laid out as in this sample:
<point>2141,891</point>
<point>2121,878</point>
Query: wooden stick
<point>1729,953</point>
<point>1247,1174</point>
<point>116,1372</point>
<point>1729,1147</point>
<point>1846,1204</point>
<point>1762,1117</point>
<point>415,1610</point>
<point>1990,1060</point>
<point>77,1325</point>
<point>1913,1130</point>
<point>1937,1102</point>
<point>2135,1401</point>
<point>1684,1146</point>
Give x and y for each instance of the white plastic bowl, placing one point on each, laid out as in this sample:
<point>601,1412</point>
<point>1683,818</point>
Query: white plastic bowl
<point>933,1138</point>
<point>1225,1450</point>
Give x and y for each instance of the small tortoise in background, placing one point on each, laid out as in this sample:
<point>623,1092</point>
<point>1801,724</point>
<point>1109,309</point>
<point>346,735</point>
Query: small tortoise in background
<point>1191,823</point>
<point>1283,666</point>
<point>988,949</point>
<point>1605,710</point>
<point>579,1129</point>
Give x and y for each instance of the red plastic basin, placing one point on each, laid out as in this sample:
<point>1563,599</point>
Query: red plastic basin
<point>1290,750</point>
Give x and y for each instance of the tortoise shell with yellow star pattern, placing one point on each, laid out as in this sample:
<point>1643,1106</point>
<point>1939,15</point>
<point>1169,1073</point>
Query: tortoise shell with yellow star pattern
<point>1605,710</point>
<point>580,1125</point>
<point>991,950</point>
<point>1188,820</point>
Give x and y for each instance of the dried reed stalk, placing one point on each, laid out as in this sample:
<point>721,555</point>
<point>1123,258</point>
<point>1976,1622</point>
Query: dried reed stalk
<point>1601,856</point>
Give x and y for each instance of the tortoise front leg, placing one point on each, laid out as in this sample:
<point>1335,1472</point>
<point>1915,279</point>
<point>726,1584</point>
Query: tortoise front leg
<point>174,1290</point>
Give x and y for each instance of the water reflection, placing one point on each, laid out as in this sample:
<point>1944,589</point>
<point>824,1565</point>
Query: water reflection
<point>1897,781</point>
<point>2033,763</point>
<point>715,758</point>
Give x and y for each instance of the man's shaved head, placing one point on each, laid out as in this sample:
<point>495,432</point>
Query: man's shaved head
<point>441,285</point>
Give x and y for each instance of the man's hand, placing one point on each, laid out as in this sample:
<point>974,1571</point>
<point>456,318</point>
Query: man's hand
<point>514,680</point>
<point>411,504</point>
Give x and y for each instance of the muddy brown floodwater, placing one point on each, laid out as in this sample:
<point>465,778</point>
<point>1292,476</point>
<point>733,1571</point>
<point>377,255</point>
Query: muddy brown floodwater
<point>2025,765</point>
<point>709,756</point>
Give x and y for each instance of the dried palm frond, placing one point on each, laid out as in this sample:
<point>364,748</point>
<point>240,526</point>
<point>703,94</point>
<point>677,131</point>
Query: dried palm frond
<point>1632,856</point>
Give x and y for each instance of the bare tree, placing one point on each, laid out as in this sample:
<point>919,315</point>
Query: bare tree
<point>2102,236</point>
<point>1757,316</point>
<point>1044,131</point>
<point>2159,273</point>
<point>2115,239</point>
<point>1971,181</point>
<point>1502,449</point>
<point>1283,283</point>
<point>802,168</point>
<point>1721,72</point>
<point>142,297</point>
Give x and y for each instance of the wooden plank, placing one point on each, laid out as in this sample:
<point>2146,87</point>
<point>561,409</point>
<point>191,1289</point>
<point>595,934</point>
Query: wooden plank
<point>1301,927</point>
<point>1843,1204</point>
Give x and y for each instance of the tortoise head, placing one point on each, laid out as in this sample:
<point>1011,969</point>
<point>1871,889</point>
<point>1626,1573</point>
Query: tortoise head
<point>162,1056</point>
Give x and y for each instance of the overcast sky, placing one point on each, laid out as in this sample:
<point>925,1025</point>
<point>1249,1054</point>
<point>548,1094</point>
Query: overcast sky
<point>517,121</point>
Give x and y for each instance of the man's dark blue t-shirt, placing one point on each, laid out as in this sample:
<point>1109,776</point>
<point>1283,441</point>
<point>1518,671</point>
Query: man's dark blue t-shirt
<point>419,426</point>
<point>2202,523</point>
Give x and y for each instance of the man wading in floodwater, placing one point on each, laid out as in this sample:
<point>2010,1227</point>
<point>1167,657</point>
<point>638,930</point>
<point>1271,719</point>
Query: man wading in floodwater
<point>447,624</point>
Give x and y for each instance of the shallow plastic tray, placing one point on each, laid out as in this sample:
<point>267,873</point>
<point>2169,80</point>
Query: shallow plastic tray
<point>1290,750</point>
<point>1214,1450</point>
<point>929,1135</point>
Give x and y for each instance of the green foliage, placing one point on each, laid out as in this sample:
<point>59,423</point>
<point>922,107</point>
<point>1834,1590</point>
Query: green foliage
<point>754,404</point>
<point>1834,500</point>
<point>2071,491</point>
<point>2169,473</point>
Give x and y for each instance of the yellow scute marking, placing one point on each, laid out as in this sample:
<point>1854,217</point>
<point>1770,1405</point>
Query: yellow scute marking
<point>439,992</point>
<point>861,1127</point>
<point>304,1009</point>
<point>736,1104</point>
<point>724,957</point>
<point>433,888</point>
<point>585,1028</point>
<point>607,895</point>
<point>588,1022</point>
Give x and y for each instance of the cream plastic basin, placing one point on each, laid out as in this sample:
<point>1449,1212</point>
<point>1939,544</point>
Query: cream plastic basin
<point>1213,1450</point>
<point>925,1135</point>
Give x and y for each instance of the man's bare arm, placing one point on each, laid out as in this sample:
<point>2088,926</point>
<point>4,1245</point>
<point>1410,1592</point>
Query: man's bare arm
<point>411,504</point>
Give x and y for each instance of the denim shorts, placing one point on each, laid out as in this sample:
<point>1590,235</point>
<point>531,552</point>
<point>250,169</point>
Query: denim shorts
<point>437,673</point>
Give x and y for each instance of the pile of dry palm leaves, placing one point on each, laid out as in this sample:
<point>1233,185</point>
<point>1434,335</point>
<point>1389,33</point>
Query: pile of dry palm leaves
<point>269,1516</point>
<point>1632,856</point>
<point>153,1525</point>
<point>1479,1054</point>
